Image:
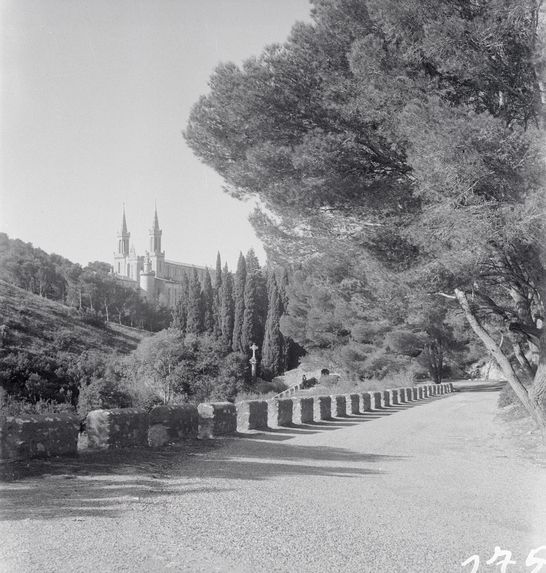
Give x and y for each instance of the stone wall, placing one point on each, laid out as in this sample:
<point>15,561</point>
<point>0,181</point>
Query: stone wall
<point>279,412</point>
<point>119,428</point>
<point>34,436</point>
<point>25,437</point>
<point>377,400</point>
<point>251,415</point>
<point>171,424</point>
<point>217,419</point>
<point>353,403</point>
<point>339,406</point>
<point>365,402</point>
<point>394,397</point>
<point>322,408</point>
<point>302,410</point>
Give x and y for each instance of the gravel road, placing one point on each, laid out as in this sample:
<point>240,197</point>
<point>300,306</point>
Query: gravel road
<point>411,489</point>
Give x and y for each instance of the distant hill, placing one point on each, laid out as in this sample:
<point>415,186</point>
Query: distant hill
<point>34,324</point>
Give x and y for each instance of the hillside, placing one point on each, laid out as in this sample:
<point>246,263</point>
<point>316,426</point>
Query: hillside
<point>35,324</point>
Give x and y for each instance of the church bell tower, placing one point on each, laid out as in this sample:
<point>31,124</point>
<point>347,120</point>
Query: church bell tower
<point>120,256</point>
<point>157,256</point>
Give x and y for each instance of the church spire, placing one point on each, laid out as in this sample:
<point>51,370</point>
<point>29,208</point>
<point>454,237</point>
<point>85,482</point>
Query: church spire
<point>123,222</point>
<point>156,220</point>
<point>123,237</point>
<point>155,236</point>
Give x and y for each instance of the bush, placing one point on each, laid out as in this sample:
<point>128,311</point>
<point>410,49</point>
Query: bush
<point>103,393</point>
<point>11,406</point>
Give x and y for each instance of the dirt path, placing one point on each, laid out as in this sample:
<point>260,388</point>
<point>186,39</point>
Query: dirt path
<point>417,489</point>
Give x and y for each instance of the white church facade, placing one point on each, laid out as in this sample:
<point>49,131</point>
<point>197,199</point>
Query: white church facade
<point>157,277</point>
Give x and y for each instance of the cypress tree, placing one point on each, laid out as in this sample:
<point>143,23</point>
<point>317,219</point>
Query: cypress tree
<point>239,304</point>
<point>252,262</point>
<point>217,308</point>
<point>180,314</point>
<point>227,307</point>
<point>208,304</point>
<point>272,351</point>
<point>194,324</point>
<point>251,325</point>
<point>291,351</point>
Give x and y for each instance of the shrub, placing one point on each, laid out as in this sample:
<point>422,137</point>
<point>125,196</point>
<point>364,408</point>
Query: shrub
<point>103,393</point>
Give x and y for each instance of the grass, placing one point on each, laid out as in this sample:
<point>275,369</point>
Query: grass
<point>34,325</point>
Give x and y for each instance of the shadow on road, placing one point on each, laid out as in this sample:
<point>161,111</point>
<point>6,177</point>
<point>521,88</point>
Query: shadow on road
<point>106,484</point>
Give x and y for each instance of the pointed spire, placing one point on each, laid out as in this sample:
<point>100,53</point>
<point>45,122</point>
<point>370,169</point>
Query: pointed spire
<point>156,221</point>
<point>123,222</point>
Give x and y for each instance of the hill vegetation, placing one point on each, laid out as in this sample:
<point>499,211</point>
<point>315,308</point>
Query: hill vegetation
<point>397,149</point>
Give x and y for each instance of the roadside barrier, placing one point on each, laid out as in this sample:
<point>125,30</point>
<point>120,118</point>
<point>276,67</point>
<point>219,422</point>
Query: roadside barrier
<point>170,424</point>
<point>302,410</point>
<point>38,436</point>
<point>251,415</point>
<point>32,436</point>
<point>119,428</point>
<point>279,412</point>
<point>217,419</point>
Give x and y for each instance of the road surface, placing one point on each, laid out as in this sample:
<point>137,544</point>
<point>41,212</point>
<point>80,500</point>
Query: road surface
<point>412,489</point>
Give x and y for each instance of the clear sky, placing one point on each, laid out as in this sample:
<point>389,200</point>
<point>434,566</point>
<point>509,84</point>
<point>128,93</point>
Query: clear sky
<point>94,95</point>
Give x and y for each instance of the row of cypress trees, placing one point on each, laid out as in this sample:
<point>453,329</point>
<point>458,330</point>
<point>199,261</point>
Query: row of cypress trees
<point>240,309</point>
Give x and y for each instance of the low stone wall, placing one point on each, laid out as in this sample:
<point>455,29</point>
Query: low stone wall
<point>409,394</point>
<point>339,406</point>
<point>402,396</point>
<point>322,408</point>
<point>302,410</point>
<point>279,412</point>
<point>38,436</point>
<point>377,400</point>
<point>217,419</point>
<point>119,428</point>
<point>395,399</point>
<point>353,403</point>
<point>168,424</point>
<point>365,402</point>
<point>251,415</point>
<point>386,397</point>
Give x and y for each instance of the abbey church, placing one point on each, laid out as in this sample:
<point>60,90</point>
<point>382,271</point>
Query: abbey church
<point>157,277</point>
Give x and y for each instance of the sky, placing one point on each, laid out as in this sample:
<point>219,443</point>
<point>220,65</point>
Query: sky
<point>94,96</point>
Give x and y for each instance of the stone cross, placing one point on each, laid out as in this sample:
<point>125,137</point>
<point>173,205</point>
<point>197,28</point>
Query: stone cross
<point>253,361</point>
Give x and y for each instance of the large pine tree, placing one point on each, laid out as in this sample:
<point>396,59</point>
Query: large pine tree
<point>194,324</point>
<point>239,302</point>
<point>227,307</point>
<point>272,351</point>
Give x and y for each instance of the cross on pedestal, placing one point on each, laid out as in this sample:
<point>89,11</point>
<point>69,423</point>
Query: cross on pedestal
<point>253,361</point>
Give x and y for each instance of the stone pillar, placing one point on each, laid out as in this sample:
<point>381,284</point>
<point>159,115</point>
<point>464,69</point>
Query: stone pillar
<point>339,406</point>
<point>322,408</point>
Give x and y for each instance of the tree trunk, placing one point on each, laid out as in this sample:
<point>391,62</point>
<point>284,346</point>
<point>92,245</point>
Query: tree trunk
<point>532,401</point>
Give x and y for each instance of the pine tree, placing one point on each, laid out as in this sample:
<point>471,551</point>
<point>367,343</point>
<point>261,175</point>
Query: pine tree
<point>208,304</point>
<point>227,307</point>
<point>217,309</point>
<point>239,303</point>
<point>250,332</point>
<point>194,323</point>
<point>272,351</point>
